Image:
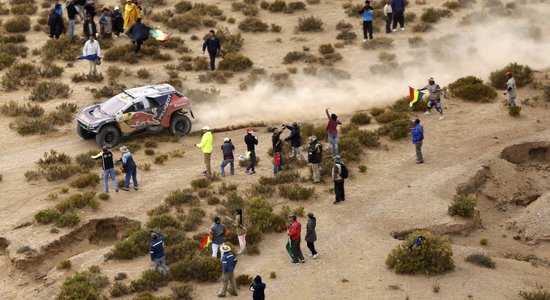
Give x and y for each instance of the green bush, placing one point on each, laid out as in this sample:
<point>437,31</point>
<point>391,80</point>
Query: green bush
<point>280,178</point>
<point>200,183</point>
<point>119,289</point>
<point>182,291</point>
<point>47,216</point>
<point>360,118</point>
<point>514,111</point>
<point>523,75</point>
<point>244,280</point>
<point>310,24</point>
<point>88,180</point>
<point>253,24</point>
<point>295,192</point>
<point>120,276</point>
<point>472,89</point>
<point>232,42</point>
<point>83,285</point>
<point>368,138</point>
<point>69,219</point>
<point>390,116</point>
<point>136,244</point>
<point>78,201</point>
<point>149,281</point>
<point>161,222</point>
<point>213,200</point>
<point>539,294</point>
<point>183,6</point>
<point>432,15</point>
<point>193,219</point>
<point>463,206</point>
<point>200,268</point>
<point>434,256</point>
<point>24,9</point>
<point>159,159</point>
<point>185,249</point>
<point>14,109</point>
<point>17,24</point>
<point>484,242</point>
<point>295,56</point>
<point>64,265</point>
<point>19,75</point>
<point>63,48</point>
<point>235,62</point>
<point>396,129</point>
<point>260,212</point>
<point>481,260</point>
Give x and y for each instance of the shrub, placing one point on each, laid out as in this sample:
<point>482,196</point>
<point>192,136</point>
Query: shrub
<point>181,196</point>
<point>416,41</point>
<point>422,27</point>
<point>224,188</point>
<point>432,15</point>
<point>19,75</point>
<point>410,17</point>
<point>149,281</point>
<point>149,152</point>
<point>47,216</point>
<point>379,43</point>
<point>63,48</point>
<point>294,56</point>
<point>389,116</point>
<point>362,169</point>
<point>121,276</point>
<point>514,111</point>
<point>88,180</point>
<point>104,196</point>
<point>49,70</point>
<point>200,183</point>
<point>484,242</point>
<point>159,159</point>
<point>376,111</point>
<point>463,206</point>
<point>275,27</point>
<point>78,201</point>
<point>397,129</point>
<point>213,200</point>
<point>247,9</point>
<point>434,256</point>
<point>481,260</point>
<point>343,25</point>
<point>114,72</point>
<point>83,285</point>
<point>143,73</point>
<point>244,279</point>
<point>64,265</point>
<point>235,62</point>
<point>183,6</point>
<point>17,24</point>
<point>252,24</point>
<point>32,175</point>
<point>161,222</point>
<point>136,244</point>
<point>367,138</point>
<point>193,219</point>
<point>185,249</point>
<point>200,268</point>
<point>273,275</point>
<point>144,166</point>
<point>310,24</point>
<point>14,109</point>
<point>325,49</point>
<point>536,295</point>
<point>347,36</point>
<point>472,89</point>
<point>295,192</point>
<point>523,75</point>
<point>182,291</point>
<point>119,289</point>
<point>280,178</point>
<point>360,118</point>
<point>69,219</point>
<point>232,42</point>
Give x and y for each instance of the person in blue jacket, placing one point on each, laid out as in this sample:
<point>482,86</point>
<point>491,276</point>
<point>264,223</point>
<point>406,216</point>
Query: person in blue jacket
<point>213,45</point>
<point>417,133</point>
<point>398,8</point>
<point>367,13</point>
<point>229,262</point>
<point>157,252</point>
<point>129,167</point>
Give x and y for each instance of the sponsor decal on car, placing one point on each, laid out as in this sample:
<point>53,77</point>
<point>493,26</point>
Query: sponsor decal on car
<point>138,119</point>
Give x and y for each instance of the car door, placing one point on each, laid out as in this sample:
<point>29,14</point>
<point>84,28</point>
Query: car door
<point>140,115</point>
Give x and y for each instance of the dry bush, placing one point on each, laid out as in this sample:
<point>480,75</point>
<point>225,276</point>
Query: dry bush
<point>193,219</point>
<point>180,197</point>
<point>14,109</point>
<point>326,49</point>
<point>481,260</point>
<point>416,41</point>
<point>183,6</point>
<point>523,76</point>
<point>347,36</point>
<point>422,27</point>
<point>69,219</point>
<point>19,75</point>
<point>295,192</point>
<point>539,294</point>
<point>409,17</point>
<point>200,268</point>
<point>472,89</point>
<point>235,62</point>
<point>462,205</point>
<point>63,48</point>
<point>252,24</point>
<point>160,159</point>
<point>3,9</point>
<point>264,220</point>
<point>119,289</point>
<point>309,24</point>
<point>78,201</point>
<point>396,129</point>
<point>247,9</point>
<point>161,222</point>
<point>295,56</point>
<point>432,15</point>
<point>81,77</point>
<point>17,24</point>
<point>343,25</point>
<point>83,285</point>
<point>47,90</point>
<point>280,178</point>
<point>376,111</point>
<point>217,77</point>
<point>352,10</point>
<point>514,111</point>
<point>360,118</point>
<point>389,116</point>
<point>88,180</point>
<point>24,9</point>
<point>49,70</point>
<point>64,265</point>
<point>202,96</point>
<point>47,216</point>
<point>109,90</point>
<point>149,281</point>
<point>379,43</point>
<point>232,42</point>
<point>182,291</point>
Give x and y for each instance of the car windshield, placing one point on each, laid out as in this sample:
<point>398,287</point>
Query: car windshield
<point>115,104</point>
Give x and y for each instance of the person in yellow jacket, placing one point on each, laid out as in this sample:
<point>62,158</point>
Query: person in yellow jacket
<point>132,12</point>
<point>206,147</point>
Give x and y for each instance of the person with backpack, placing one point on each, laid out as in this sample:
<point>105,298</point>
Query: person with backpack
<point>229,262</point>
<point>106,24</point>
<point>311,235</point>
<point>435,97</point>
<point>257,287</point>
<point>71,13</point>
<point>129,167</point>
<point>368,14</point>
<point>108,163</point>
<point>206,147</point>
<point>315,157</point>
<point>277,150</point>
<point>228,156</point>
<point>339,175</point>
<point>118,22</point>
<point>417,133</point>
<point>332,132</point>
<point>251,142</point>
<point>295,140</point>
<point>295,234</point>
<point>213,45</point>
<point>156,249</point>
<point>218,232</point>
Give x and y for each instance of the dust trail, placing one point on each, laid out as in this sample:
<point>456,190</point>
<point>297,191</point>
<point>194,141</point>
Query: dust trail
<point>453,51</point>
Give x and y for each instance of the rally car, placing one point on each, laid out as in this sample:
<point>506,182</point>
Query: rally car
<point>143,109</point>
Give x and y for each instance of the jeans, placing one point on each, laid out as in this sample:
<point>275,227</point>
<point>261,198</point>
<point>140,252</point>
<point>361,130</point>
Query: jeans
<point>106,174</point>
<point>296,251</point>
<point>316,172</point>
<point>242,242</point>
<point>71,29</point>
<point>212,60</point>
<point>131,174</point>
<point>207,163</point>
<point>279,168</point>
<point>231,163</point>
<point>311,247</point>
<point>399,18</point>
<point>333,143</point>
<point>339,190</point>
<point>418,147</point>
<point>226,278</point>
<point>252,161</point>
<point>162,262</point>
<point>215,248</point>
<point>389,18</point>
<point>437,104</point>
<point>367,30</point>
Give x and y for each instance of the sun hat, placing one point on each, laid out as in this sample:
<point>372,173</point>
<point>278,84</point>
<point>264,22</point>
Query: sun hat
<point>206,128</point>
<point>249,129</point>
<point>225,248</point>
<point>124,149</point>
<point>226,139</point>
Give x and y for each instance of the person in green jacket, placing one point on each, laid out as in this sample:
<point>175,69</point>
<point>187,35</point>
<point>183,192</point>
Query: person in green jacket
<point>206,147</point>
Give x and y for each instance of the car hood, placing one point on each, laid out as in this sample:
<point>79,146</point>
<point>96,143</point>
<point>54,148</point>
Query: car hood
<point>92,115</point>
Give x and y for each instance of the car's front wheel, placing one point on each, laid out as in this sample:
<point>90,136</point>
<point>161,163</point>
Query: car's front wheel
<point>83,133</point>
<point>108,136</point>
<point>180,125</point>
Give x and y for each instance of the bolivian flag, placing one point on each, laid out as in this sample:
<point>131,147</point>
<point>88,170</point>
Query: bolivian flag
<point>160,35</point>
<point>415,95</point>
<point>289,248</point>
<point>205,242</point>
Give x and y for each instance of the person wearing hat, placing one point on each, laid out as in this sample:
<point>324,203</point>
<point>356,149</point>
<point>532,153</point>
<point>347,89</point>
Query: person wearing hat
<point>228,156</point>
<point>295,140</point>
<point>332,132</point>
<point>229,262</point>
<point>129,167</point>
<point>108,163</point>
<point>434,98</point>
<point>339,178</point>
<point>417,133</point>
<point>118,22</point>
<point>251,142</point>
<point>295,234</point>
<point>311,235</point>
<point>206,147</point>
<point>106,24</point>
<point>257,287</point>
<point>157,252</point>
<point>314,157</point>
<point>218,232</point>
<point>132,12</point>
<point>511,89</point>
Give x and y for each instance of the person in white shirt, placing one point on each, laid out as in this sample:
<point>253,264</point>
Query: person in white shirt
<point>388,13</point>
<point>90,48</point>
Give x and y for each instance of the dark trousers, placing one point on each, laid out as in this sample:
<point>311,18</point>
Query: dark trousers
<point>252,161</point>
<point>367,30</point>
<point>339,190</point>
<point>398,18</point>
<point>311,247</point>
<point>212,60</point>
<point>389,19</point>
<point>296,251</point>
<point>138,46</point>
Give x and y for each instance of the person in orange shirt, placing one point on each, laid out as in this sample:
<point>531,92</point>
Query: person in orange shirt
<point>294,232</point>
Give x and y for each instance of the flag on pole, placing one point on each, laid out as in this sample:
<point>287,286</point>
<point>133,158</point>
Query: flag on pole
<point>205,242</point>
<point>91,57</point>
<point>289,248</point>
<point>415,95</point>
<point>160,35</point>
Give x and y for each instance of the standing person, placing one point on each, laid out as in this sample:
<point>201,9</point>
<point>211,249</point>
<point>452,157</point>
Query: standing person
<point>228,156</point>
<point>398,8</point>
<point>277,150</point>
<point>213,45</point>
<point>79,5</point>
<point>89,27</point>
<point>388,13</point>
<point>251,142</point>
<point>332,132</point>
<point>58,8</point>
<point>511,89</point>
<point>241,230</point>
<point>118,22</point>
<point>157,253</point>
<point>295,140</point>
<point>339,175</point>
<point>132,12</point>
<point>229,262</point>
<point>71,13</point>
<point>435,97</point>
<point>311,235</point>
<point>90,9</point>
<point>138,33</point>
<point>315,157</point>
<point>368,14</point>
<point>106,24</point>
<point>92,48</point>
<point>294,232</point>
<point>218,231</point>
<point>417,133</point>
<point>257,288</point>
<point>55,22</point>
<point>129,167</point>
<point>206,147</point>
<point>108,168</point>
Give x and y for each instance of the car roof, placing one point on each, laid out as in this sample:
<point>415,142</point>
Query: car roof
<point>151,91</point>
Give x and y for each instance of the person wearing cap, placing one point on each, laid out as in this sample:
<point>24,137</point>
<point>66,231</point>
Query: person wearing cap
<point>511,89</point>
<point>311,235</point>
<point>295,140</point>
<point>118,22</point>
<point>251,142</point>
<point>314,157</point>
<point>417,133</point>
<point>332,132</point>
<point>108,163</point>
<point>132,12</point>
<point>129,167</point>
<point>435,97</point>
<point>338,179</point>
<point>157,253</point>
<point>206,147</point>
<point>218,232</point>
<point>106,24</point>
<point>295,234</point>
<point>277,150</point>
<point>257,287</point>
<point>229,262</point>
<point>228,156</point>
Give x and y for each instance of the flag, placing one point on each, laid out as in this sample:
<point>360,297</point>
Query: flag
<point>289,248</point>
<point>160,35</point>
<point>415,95</point>
<point>87,57</point>
<point>205,242</point>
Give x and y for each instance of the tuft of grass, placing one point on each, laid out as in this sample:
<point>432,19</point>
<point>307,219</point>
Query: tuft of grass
<point>78,201</point>
<point>145,167</point>
<point>64,265</point>
<point>310,24</point>
<point>432,15</point>
<point>273,275</point>
<point>213,200</point>
<point>159,159</point>
<point>436,287</point>
<point>87,180</point>
<point>181,196</point>
<point>120,276</point>
<point>462,205</point>
<point>514,111</point>
<point>253,24</point>
<point>200,183</point>
<point>149,152</point>
<point>362,169</point>
<point>484,242</point>
<point>143,73</point>
<point>182,291</point>
<point>481,260</point>
<point>104,196</point>
<point>539,294</point>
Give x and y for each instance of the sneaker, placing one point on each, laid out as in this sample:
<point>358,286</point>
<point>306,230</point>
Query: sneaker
<point>427,112</point>
<point>252,172</point>
<point>394,30</point>
<point>441,118</point>
<point>248,172</point>
<point>294,263</point>
<point>125,189</point>
<point>135,189</point>
<point>365,40</point>
<point>303,261</point>
<point>420,162</point>
<point>402,28</point>
<point>315,256</point>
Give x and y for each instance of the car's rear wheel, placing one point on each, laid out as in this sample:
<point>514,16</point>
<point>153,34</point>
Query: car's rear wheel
<point>85,134</point>
<point>180,125</point>
<point>108,136</point>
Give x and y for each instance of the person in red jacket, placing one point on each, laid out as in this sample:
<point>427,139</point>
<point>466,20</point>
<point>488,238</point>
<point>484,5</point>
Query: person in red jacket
<point>294,232</point>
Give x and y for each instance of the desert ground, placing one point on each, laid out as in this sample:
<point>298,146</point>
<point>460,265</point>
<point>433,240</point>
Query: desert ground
<point>478,148</point>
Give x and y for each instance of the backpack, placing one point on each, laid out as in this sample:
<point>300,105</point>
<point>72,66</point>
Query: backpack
<point>344,173</point>
<point>313,156</point>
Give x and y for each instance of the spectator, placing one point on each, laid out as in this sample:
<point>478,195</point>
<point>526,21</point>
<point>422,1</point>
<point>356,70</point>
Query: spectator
<point>388,13</point>
<point>55,22</point>
<point>206,146</point>
<point>228,156</point>
<point>129,167</point>
<point>435,97</point>
<point>277,150</point>
<point>315,157</point>
<point>511,89</point>
<point>368,14</point>
<point>108,168</point>
<point>218,231</point>
<point>79,5</point>
<point>212,44</point>
<point>92,48</point>
<point>295,140</point>
<point>132,12</point>
<point>332,132</point>
<point>229,262</point>
<point>258,288</point>
<point>339,175</point>
<point>251,142</point>
<point>157,253</point>
<point>118,22</point>
<point>417,133</point>
<point>89,27</point>
<point>58,8</point>
<point>90,9</point>
<point>138,33</point>
<point>311,235</point>
<point>398,9</point>
<point>294,232</point>
<point>71,12</point>
<point>241,230</point>
<point>106,24</point>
